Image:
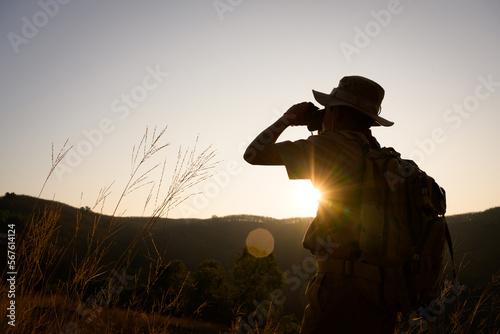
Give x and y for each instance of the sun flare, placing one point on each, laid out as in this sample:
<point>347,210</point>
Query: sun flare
<point>260,242</point>
<point>307,197</point>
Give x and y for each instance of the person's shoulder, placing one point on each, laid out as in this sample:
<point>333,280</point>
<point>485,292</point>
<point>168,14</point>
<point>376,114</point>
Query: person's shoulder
<point>331,136</point>
<point>340,141</point>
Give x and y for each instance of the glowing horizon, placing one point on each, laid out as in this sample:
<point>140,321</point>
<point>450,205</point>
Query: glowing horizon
<point>99,73</point>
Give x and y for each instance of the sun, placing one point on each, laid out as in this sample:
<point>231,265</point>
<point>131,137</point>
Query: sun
<point>307,197</point>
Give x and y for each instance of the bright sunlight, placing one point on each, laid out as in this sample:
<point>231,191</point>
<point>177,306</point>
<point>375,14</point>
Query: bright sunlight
<point>307,197</point>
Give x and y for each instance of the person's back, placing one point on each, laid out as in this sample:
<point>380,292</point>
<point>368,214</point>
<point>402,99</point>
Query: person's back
<point>334,163</point>
<point>337,176</point>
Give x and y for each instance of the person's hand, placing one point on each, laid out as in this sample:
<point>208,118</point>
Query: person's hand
<point>298,112</point>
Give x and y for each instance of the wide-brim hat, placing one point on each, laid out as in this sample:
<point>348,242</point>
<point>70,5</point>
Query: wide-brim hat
<point>359,93</point>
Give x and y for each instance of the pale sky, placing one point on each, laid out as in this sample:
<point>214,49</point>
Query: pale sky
<point>98,72</point>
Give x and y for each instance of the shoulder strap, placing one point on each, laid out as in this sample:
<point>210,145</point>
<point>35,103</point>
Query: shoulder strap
<point>358,137</point>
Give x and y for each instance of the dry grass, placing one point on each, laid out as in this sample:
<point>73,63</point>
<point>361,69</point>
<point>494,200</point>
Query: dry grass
<point>459,310</point>
<point>40,308</point>
<point>57,314</point>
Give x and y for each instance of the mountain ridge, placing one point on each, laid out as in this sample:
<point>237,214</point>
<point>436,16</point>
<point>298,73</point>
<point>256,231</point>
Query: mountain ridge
<point>220,238</point>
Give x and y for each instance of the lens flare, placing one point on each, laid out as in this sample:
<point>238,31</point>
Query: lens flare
<point>260,242</point>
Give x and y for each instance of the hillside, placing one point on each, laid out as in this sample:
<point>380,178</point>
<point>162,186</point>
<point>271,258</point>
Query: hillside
<point>191,240</point>
<point>221,238</point>
<point>476,245</point>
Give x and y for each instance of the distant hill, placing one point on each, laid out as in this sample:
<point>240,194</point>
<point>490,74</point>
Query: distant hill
<point>475,239</point>
<point>221,238</point>
<point>191,240</point>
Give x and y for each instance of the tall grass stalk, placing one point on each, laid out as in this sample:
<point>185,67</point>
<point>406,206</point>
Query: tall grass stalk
<point>460,310</point>
<point>44,306</point>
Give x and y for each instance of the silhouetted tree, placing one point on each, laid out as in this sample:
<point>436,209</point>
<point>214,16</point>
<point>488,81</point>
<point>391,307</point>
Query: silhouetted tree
<point>254,279</point>
<point>172,286</point>
<point>210,293</point>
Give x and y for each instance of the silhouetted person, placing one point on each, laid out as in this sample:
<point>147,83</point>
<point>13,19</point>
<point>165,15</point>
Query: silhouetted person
<point>334,163</point>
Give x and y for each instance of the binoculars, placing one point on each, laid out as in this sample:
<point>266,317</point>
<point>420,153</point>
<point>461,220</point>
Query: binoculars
<point>314,117</point>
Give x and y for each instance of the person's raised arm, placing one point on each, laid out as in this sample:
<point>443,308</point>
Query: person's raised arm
<point>261,150</point>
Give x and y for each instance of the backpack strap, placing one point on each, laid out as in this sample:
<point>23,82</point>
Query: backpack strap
<point>349,267</point>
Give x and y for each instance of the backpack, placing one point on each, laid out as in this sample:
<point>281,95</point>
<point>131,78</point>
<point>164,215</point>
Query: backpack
<point>403,228</point>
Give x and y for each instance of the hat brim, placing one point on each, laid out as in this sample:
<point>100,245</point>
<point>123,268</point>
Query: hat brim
<point>329,100</point>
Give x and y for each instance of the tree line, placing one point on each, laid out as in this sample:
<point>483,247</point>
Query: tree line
<point>209,293</point>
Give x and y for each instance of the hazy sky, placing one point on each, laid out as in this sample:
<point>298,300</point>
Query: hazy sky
<point>98,72</point>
